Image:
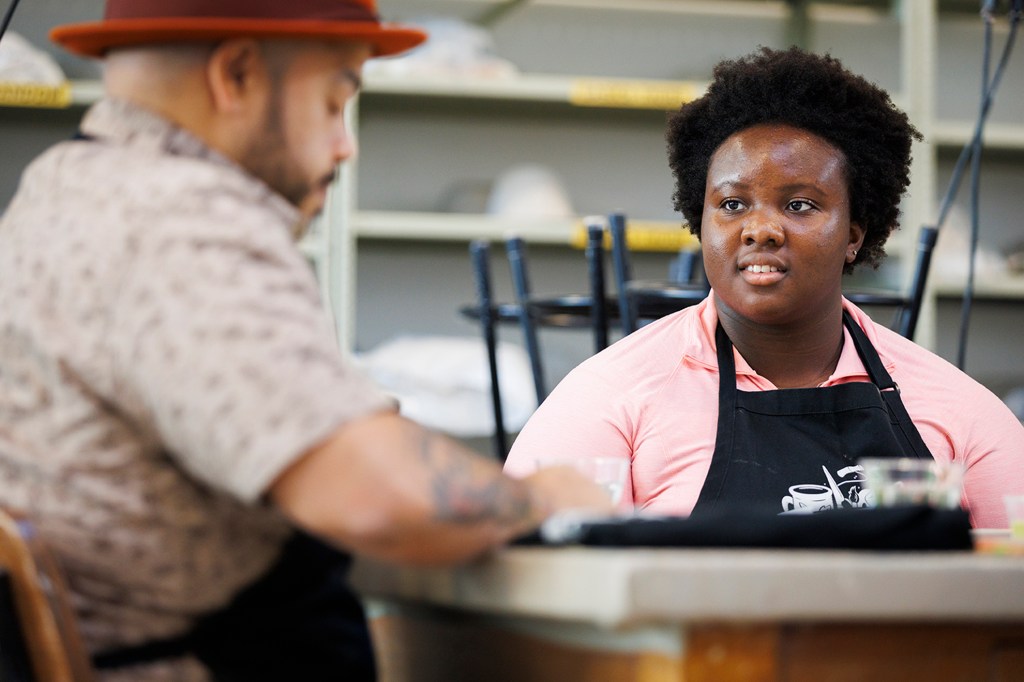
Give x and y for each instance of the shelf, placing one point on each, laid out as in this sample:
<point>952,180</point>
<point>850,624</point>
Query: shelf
<point>86,92</point>
<point>643,235</point>
<point>576,91</point>
<point>771,9</point>
<point>1004,287</point>
<point>1004,136</point>
<point>37,96</point>
<point>34,95</point>
<point>615,93</point>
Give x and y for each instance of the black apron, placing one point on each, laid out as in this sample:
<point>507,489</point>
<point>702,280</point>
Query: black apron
<point>796,450</point>
<point>300,621</point>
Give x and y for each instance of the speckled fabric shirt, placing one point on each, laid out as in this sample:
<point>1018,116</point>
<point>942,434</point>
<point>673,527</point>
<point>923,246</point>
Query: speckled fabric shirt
<point>164,355</point>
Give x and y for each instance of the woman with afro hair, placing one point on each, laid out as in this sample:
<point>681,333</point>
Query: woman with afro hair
<point>790,171</point>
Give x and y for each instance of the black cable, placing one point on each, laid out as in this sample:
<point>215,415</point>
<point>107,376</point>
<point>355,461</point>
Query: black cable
<point>965,154</point>
<point>972,251</point>
<point>972,148</point>
<point>8,15</point>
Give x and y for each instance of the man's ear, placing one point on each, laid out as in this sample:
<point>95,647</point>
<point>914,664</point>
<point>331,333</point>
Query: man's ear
<point>236,73</point>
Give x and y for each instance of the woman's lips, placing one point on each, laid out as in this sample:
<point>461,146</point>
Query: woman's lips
<point>762,274</point>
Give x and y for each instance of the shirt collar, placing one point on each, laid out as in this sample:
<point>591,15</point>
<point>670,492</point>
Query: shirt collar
<point>131,125</point>
<point>701,348</point>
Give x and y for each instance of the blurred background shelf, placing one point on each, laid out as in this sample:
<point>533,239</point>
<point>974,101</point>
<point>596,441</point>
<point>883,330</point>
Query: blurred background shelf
<point>999,287</point>
<point>996,136</point>
<point>595,80</point>
<point>649,235</point>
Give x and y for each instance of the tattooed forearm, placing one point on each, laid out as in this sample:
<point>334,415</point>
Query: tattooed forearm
<point>468,489</point>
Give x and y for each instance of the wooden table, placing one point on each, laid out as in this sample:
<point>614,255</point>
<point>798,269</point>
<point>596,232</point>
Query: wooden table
<point>582,614</point>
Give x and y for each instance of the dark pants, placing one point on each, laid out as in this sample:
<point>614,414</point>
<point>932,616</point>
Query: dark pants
<point>299,622</point>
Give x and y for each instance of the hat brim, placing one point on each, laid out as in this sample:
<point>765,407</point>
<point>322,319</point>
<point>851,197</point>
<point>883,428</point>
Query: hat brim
<point>95,39</point>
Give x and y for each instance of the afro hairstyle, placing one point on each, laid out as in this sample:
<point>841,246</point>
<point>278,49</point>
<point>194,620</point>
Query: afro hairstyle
<point>812,92</point>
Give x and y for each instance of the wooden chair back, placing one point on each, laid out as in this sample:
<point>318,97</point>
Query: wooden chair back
<point>42,610</point>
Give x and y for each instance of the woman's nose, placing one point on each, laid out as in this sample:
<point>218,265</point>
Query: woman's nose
<point>763,228</point>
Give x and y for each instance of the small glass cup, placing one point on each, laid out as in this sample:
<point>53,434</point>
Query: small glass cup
<point>901,481</point>
<point>608,472</point>
<point>1015,515</point>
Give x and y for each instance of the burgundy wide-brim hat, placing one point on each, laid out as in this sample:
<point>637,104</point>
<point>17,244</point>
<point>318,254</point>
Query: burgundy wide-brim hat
<point>148,22</point>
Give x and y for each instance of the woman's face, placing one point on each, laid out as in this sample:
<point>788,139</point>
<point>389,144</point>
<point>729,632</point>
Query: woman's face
<point>776,230</point>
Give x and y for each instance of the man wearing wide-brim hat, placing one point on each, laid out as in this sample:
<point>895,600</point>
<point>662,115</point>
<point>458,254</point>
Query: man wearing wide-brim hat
<point>173,405</point>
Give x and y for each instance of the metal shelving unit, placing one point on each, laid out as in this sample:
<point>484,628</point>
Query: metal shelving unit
<point>333,243</point>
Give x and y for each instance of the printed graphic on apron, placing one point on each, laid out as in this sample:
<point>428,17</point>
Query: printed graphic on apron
<point>844,490</point>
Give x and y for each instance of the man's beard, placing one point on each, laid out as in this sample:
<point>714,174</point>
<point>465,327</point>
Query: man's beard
<point>267,158</point>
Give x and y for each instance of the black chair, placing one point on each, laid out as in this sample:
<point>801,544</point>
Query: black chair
<point>593,309</point>
<point>908,304</point>
<point>641,301</point>
<point>488,314</point>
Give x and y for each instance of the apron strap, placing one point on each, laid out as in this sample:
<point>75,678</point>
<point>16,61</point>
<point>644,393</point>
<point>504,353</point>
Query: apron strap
<point>726,432</point>
<point>888,388</point>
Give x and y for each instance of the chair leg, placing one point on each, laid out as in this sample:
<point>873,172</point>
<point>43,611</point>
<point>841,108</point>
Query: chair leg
<point>621,267</point>
<point>907,324</point>
<point>480,255</point>
<point>520,282</point>
<point>595,268</point>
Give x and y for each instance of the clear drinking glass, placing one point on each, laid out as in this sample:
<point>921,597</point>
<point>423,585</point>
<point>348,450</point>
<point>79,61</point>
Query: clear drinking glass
<point>899,481</point>
<point>608,472</point>
<point>1015,515</point>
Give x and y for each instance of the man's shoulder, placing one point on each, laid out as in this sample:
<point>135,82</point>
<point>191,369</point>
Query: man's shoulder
<point>138,192</point>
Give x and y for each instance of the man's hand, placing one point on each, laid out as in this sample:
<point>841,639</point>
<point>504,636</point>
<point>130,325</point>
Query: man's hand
<point>560,488</point>
<point>387,488</point>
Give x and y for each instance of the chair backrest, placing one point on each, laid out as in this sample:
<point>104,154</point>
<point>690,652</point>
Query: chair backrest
<point>623,270</point>
<point>42,613</point>
<point>656,298</point>
<point>598,288</point>
<point>907,304</point>
<point>906,323</point>
<point>516,251</point>
<point>530,313</point>
<point>480,254</point>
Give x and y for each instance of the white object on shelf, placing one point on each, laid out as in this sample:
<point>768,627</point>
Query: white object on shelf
<point>23,62</point>
<point>453,48</point>
<point>530,191</point>
<point>444,382</point>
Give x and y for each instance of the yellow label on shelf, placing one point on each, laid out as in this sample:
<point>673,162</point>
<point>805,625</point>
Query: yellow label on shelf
<point>35,95</point>
<point>646,236</point>
<point>627,94</point>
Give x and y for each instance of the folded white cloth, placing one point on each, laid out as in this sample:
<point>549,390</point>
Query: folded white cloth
<point>22,62</point>
<point>454,48</point>
<point>444,382</point>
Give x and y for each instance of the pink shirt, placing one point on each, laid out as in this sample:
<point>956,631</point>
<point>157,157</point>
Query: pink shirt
<point>653,397</point>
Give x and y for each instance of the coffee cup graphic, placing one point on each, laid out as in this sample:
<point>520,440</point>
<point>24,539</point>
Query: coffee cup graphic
<point>808,498</point>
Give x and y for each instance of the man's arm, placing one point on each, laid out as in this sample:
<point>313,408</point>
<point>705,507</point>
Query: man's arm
<point>387,488</point>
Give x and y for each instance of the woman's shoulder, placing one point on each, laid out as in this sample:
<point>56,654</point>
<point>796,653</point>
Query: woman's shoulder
<point>929,381</point>
<point>654,347</point>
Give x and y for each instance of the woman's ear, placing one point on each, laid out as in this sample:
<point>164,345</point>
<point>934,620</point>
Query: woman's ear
<point>236,74</point>
<point>857,234</point>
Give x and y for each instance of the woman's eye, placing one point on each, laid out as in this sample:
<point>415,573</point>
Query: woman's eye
<point>732,204</point>
<point>800,206</point>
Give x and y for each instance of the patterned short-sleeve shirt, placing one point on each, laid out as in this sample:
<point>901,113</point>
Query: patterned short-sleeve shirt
<point>164,355</point>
